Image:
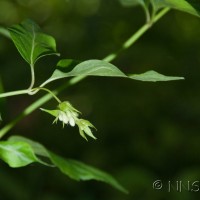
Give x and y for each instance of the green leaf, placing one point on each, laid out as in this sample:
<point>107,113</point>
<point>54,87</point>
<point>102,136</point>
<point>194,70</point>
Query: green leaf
<point>89,68</point>
<point>31,42</point>
<point>80,171</point>
<point>153,76</point>
<point>36,147</point>
<point>102,68</point>
<point>17,153</point>
<point>74,169</point>
<point>189,6</point>
<point>95,68</point>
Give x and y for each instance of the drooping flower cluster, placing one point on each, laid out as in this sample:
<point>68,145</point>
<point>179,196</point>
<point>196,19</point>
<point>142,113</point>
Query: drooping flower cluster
<point>67,114</point>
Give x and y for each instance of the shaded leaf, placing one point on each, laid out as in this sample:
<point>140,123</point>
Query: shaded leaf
<point>31,42</point>
<point>189,6</point>
<point>72,168</point>
<point>80,171</point>
<point>153,76</point>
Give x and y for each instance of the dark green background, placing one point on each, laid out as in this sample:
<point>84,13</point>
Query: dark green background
<point>146,131</point>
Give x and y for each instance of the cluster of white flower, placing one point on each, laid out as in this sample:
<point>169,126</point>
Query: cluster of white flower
<point>67,114</point>
<point>67,117</point>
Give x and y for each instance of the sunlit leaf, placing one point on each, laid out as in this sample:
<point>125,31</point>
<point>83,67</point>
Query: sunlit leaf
<point>31,42</point>
<point>17,154</point>
<point>89,68</point>
<point>36,147</point>
<point>102,68</point>
<point>72,168</point>
<point>189,6</point>
<point>153,76</point>
<point>95,68</point>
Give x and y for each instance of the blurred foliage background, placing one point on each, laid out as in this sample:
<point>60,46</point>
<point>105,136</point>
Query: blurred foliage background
<point>146,131</point>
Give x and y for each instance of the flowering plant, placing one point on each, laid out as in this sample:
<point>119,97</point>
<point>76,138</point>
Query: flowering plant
<point>33,44</point>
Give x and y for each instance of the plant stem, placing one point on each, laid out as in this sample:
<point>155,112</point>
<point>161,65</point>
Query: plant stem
<point>32,77</point>
<point>75,80</point>
<point>47,90</point>
<point>13,93</point>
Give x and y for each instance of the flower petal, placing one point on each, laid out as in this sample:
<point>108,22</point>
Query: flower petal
<point>72,121</point>
<point>65,119</point>
<point>60,117</point>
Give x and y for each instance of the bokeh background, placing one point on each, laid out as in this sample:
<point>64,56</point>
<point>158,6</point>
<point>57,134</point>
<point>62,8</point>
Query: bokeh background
<point>146,131</point>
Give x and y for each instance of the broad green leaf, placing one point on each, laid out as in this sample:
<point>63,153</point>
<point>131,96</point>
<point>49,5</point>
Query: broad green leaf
<point>189,6</point>
<point>17,153</point>
<point>72,168</point>
<point>95,68</point>
<point>153,76</point>
<point>80,171</point>
<point>36,147</point>
<point>89,68</point>
<point>102,68</point>
<point>31,42</point>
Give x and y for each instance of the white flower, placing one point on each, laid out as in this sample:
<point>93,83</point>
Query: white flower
<point>67,117</point>
<point>67,114</point>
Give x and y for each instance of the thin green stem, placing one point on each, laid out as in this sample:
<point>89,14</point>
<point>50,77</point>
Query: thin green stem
<point>32,77</point>
<point>75,80</point>
<point>47,90</point>
<point>13,93</point>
